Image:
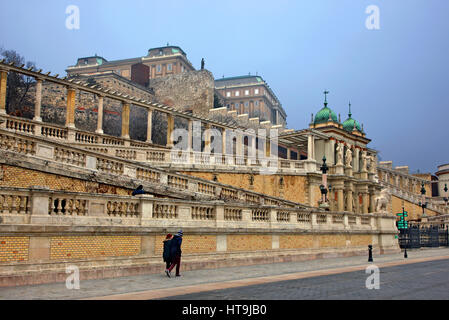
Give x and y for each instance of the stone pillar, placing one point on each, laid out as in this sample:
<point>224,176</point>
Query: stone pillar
<point>372,203</point>
<point>311,147</point>
<point>150,126</point>
<point>207,137</point>
<point>100,115</point>
<point>349,201</point>
<point>223,141</point>
<point>356,164</point>
<point>365,202</point>
<point>289,154</point>
<point>170,128</point>
<point>332,159</point>
<point>340,200</point>
<point>125,120</point>
<point>239,144</point>
<point>190,135</point>
<point>253,147</point>
<point>268,147</point>
<point>3,83</point>
<point>38,100</point>
<point>70,109</point>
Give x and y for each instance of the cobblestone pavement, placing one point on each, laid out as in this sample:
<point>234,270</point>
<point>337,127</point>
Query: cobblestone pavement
<point>425,280</point>
<point>106,287</point>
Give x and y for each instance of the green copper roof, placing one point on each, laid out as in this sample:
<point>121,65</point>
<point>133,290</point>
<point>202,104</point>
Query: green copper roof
<point>323,115</point>
<point>348,125</point>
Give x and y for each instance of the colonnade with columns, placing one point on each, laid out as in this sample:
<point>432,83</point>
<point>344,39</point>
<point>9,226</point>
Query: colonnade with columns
<point>239,138</point>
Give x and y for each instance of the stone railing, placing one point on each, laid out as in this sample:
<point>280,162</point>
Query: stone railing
<point>432,204</point>
<point>143,151</point>
<point>45,207</point>
<point>62,133</point>
<point>91,161</point>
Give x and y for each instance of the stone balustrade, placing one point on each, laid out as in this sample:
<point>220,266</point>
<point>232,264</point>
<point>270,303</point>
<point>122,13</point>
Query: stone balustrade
<point>146,152</point>
<point>40,206</point>
<point>73,158</point>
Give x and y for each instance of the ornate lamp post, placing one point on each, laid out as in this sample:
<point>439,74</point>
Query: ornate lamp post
<point>323,187</point>
<point>423,202</point>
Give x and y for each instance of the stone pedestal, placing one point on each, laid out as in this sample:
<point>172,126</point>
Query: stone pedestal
<point>348,171</point>
<point>339,169</point>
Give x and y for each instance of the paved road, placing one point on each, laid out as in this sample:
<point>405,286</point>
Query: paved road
<point>427,280</point>
<point>201,278</point>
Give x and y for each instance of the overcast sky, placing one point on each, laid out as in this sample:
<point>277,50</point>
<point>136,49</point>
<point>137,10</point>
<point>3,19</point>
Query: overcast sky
<point>397,77</point>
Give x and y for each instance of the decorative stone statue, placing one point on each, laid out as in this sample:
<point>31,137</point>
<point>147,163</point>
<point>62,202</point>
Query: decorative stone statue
<point>373,164</point>
<point>340,153</point>
<point>202,64</point>
<point>348,157</point>
<point>382,201</point>
<point>364,160</point>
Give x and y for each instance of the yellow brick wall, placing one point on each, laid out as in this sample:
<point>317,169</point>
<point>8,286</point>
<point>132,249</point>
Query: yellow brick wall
<point>190,244</point>
<point>249,242</point>
<point>335,241</point>
<point>296,241</point>
<point>14,249</point>
<point>25,178</point>
<point>323,241</point>
<point>293,189</point>
<point>361,240</point>
<point>78,247</point>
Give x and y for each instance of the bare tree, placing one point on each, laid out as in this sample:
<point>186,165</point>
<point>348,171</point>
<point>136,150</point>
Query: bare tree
<point>17,101</point>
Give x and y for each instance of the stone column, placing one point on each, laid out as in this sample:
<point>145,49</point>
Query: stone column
<point>289,154</point>
<point>38,100</point>
<point>340,200</point>
<point>3,83</point>
<point>239,144</point>
<point>365,202</point>
<point>332,159</point>
<point>70,109</point>
<point>356,164</point>
<point>170,128</point>
<point>150,126</point>
<point>372,203</point>
<point>268,147</point>
<point>253,147</point>
<point>100,115</point>
<point>223,141</point>
<point>207,137</point>
<point>349,201</point>
<point>311,148</point>
<point>190,135</point>
<point>125,120</point>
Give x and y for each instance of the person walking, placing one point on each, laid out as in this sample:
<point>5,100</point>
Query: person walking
<point>175,252</point>
<point>166,253</point>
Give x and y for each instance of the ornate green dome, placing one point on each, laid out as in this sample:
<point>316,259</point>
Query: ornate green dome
<point>323,115</point>
<point>348,125</point>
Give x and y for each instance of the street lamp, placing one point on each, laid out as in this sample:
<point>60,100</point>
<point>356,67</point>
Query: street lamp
<point>323,187</point>
<point>423,203</point>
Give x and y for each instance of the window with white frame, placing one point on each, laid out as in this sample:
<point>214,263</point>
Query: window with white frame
<point>237,93</point>
<point>256,91</point>
<point>246,92</point>
<point>228,94</point>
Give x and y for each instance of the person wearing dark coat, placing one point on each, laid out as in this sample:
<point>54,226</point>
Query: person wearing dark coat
<point>166,255</point>
<point>175,250</point>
